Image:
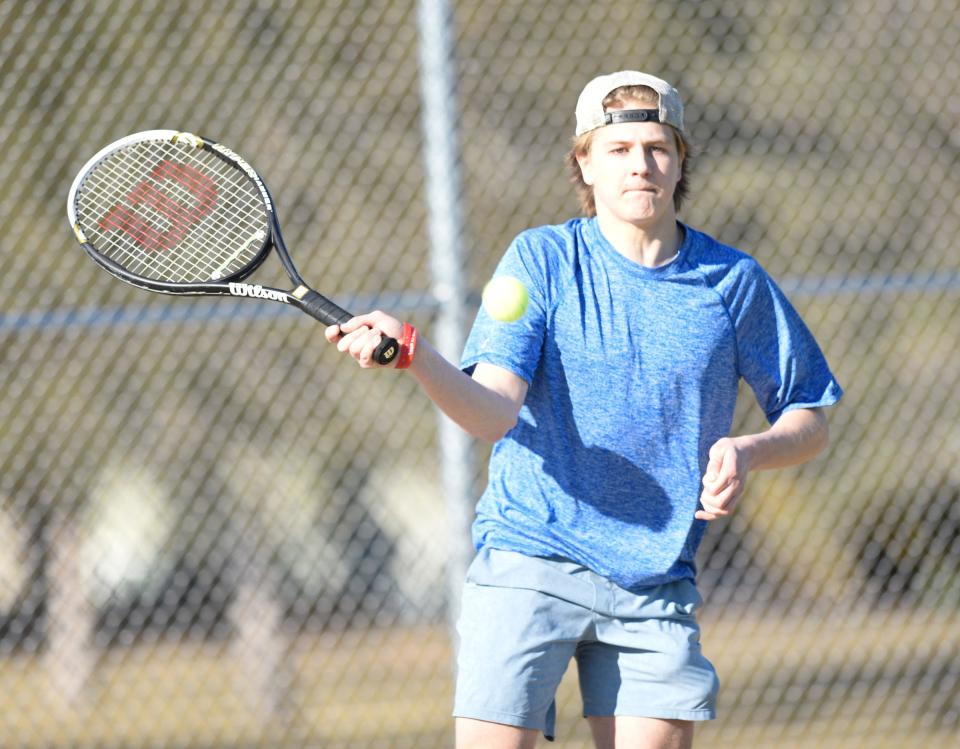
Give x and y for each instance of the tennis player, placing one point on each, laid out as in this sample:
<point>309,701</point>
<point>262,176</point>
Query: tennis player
<point>610,404</point>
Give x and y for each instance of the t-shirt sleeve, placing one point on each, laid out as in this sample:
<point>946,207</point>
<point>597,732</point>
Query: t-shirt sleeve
<point>777,354</point>
<point>515,346</point>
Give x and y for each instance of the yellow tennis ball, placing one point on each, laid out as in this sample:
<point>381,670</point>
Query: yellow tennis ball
<point>505,298</point>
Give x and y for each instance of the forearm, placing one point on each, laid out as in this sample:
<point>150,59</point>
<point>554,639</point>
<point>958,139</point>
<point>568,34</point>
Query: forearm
<point>480,410</point>
<point>485,405</point>
<point>795,438</point>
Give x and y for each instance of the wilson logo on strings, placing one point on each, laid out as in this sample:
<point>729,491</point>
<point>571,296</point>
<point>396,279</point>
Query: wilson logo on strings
<point>148,201</point>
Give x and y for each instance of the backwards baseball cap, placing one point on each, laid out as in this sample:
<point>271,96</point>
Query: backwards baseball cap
<point>591,114</point>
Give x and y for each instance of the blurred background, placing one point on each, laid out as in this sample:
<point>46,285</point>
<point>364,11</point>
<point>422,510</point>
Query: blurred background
<point>216,533</point>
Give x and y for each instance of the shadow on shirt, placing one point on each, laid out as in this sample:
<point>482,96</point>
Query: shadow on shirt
<point>593,475</point>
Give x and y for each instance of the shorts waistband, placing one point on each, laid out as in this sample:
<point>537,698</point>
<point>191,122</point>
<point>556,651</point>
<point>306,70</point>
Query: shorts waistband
<point>571,581</point>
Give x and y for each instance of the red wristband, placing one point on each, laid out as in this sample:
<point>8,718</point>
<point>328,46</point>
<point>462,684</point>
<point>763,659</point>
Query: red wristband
<point>408,346</point>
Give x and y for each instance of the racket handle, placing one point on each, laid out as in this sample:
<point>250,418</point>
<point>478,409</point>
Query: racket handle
<point>387,350</point>
<point>319,307</point>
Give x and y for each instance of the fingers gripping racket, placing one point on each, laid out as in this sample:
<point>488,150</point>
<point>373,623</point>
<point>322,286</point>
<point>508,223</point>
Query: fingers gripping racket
<point>180,214</point>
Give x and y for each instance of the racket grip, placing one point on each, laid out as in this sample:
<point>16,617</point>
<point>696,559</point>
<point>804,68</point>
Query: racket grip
<point>387,351</point>
<point>320,308</point>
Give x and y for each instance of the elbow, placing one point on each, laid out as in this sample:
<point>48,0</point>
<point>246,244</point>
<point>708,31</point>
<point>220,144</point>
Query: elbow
<point>495,430</point>
<point>821,439</point>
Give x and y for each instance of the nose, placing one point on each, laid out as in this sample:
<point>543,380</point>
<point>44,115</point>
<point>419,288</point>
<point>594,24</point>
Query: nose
<point>640,163</point>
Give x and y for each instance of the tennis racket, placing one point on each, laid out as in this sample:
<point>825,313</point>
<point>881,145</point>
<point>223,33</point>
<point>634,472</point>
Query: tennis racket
<point>177,213</point>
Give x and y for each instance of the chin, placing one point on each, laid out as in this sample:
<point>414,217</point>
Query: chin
<point>643,220</point>
<point>639,212</point>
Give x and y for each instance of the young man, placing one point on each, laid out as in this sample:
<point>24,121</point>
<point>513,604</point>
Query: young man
<point>610,402</point>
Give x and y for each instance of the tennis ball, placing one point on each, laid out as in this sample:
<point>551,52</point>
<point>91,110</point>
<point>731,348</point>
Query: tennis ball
<point>505,299</point>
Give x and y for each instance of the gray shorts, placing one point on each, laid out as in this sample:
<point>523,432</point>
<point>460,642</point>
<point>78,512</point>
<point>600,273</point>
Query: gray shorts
<point>523,619</point>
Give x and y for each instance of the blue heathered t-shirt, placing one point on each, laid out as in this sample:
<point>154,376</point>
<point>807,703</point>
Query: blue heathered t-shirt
<point>633,375</point>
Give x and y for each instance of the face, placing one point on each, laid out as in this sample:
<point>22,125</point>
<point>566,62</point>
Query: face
<point>634,168</point>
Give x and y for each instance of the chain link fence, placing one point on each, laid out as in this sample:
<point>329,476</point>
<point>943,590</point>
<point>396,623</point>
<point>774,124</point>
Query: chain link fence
<point>215,533</point>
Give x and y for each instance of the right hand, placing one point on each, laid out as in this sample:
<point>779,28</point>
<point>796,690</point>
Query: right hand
<point>359,336</point>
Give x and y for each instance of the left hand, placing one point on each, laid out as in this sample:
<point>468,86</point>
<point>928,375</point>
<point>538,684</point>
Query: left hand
<point>724,479</point>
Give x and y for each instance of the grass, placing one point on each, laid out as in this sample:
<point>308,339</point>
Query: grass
<point>848,681</point>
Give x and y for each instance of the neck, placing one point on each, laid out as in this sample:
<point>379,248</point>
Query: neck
<point>651,246</point>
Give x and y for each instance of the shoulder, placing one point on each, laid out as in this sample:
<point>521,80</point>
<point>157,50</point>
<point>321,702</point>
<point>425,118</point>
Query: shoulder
<point>726,269</point>
<point>556,241</point>
<point>714,258</point>
<point>551,253</point>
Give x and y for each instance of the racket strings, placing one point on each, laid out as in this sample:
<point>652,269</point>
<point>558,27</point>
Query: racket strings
<point>172,212</point>
<point>193,260</point>
<point>141,245</point>
<point>134,235</point>
<point>211,240</point>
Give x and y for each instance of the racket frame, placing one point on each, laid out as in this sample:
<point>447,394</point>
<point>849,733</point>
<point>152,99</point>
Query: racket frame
<point>301,296</point>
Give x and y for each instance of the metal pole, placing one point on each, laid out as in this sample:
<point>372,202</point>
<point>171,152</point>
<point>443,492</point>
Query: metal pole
<point>445,225</point>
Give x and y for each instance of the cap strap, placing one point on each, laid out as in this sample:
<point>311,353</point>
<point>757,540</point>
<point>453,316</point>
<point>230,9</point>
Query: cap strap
<point>631,115</point>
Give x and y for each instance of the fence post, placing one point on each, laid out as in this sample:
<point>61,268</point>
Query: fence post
<point>445,225</point>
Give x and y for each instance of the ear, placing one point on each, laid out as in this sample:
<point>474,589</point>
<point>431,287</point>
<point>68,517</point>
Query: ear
<point>585,170</point>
